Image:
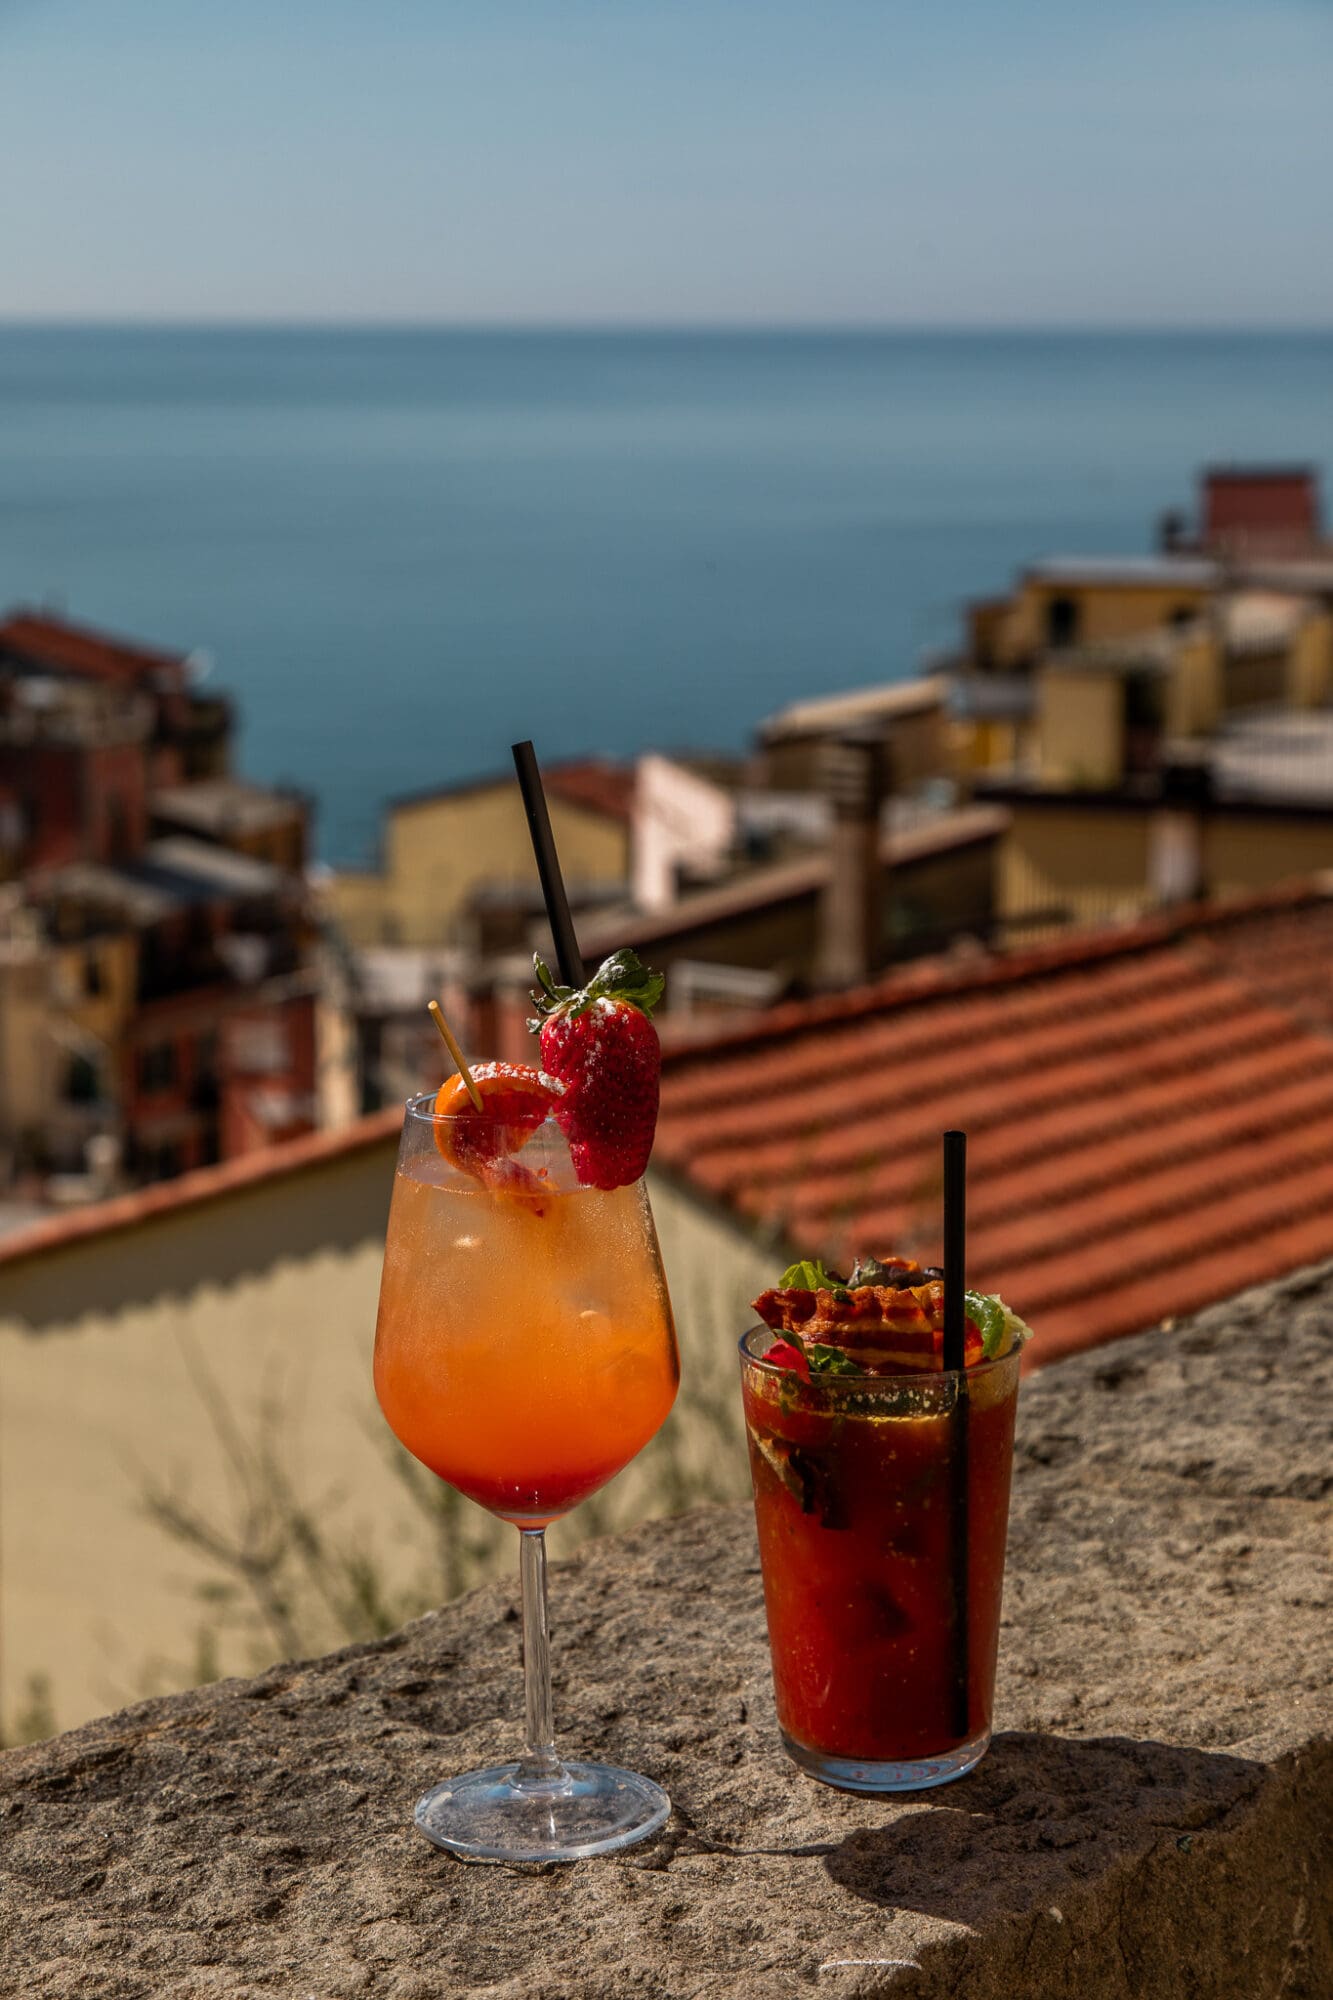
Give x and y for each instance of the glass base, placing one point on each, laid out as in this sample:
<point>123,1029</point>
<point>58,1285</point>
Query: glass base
<point>895,1774</point>
<point>593,1809</point>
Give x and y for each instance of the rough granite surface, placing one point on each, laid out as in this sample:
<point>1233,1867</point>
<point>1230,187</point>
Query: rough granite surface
<point>1153,1819</point>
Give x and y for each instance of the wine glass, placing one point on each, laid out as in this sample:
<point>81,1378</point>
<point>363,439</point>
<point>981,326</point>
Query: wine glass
<point>525,1352</point>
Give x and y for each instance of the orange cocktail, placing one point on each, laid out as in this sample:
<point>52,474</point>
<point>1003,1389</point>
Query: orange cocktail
<point>525,1349</point>
<point>525,1352</point>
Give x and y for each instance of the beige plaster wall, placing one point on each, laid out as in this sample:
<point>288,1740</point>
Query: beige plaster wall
<point>1243,852</point>
<point>1310,662</point>
<point>1106,610</point>
<point>439,850</point>
<point>1091,863</point>
<point>437,853</point>
<point>1080,727</point>
<point>1194,686</point>
<point>358,901</point>
<point>111,1351</point>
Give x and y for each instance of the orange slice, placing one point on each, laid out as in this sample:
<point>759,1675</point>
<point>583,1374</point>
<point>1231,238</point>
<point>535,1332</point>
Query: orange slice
<point>515,1100</point>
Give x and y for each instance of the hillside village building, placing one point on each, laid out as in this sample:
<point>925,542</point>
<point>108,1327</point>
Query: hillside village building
<point>156,987</point>
<point>440,848</point>
<point>1159,728</point>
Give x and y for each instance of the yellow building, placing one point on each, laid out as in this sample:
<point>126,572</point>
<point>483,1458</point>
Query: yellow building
<point>441,848</point>
<point>1158,729</point>
<point>1086,650</point>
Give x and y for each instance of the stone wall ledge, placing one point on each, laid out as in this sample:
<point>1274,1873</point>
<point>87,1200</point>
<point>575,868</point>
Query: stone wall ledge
<point>1153,1819</point>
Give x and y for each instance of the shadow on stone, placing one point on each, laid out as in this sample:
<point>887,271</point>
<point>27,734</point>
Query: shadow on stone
<point>1041,1814</point>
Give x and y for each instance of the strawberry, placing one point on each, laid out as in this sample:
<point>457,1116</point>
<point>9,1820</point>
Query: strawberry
<point>599,1042</point>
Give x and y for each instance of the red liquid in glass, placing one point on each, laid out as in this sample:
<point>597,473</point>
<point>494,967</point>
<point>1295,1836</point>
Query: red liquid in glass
<point>853,1513</point>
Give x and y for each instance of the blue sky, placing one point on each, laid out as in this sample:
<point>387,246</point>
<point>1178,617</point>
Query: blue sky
<point>918,162</point>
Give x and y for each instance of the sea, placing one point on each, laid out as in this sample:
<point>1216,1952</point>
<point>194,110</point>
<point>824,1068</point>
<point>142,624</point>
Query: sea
<point>402,550</point>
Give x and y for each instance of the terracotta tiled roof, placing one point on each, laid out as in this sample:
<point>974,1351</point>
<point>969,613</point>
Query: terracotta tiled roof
<point>43,641</point>
<point>1261,501</point>
<point>1289,962</point>
<point>1150,1116</point>
<point>595,785</point>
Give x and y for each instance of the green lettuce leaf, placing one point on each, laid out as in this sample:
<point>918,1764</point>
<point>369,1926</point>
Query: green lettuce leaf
<point>808,1276</point>
<point>1000,1329</point>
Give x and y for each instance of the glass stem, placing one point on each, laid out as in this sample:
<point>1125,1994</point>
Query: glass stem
<point>539,1767</point>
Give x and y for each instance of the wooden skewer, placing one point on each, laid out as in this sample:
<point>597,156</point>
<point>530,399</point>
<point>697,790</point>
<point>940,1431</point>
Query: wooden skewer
<point>436,1013</point>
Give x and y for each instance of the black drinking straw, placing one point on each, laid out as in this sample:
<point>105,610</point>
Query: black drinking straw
<point>955,1261</point>
<point>568,957</point>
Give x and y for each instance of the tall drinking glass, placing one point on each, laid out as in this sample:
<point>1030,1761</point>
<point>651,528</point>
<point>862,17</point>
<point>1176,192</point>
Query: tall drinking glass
<point>525,1352</point>
<point>855,1497</point>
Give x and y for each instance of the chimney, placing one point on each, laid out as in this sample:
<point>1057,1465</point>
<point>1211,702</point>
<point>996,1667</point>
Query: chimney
<point>1176,843</point>
<point>852,928</point>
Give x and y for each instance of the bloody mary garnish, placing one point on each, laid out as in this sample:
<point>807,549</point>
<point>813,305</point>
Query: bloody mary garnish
<point>851,1425</point>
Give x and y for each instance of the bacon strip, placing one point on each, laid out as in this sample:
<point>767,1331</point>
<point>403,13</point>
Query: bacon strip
<point>882,1329</point>
<point>854,1321</point>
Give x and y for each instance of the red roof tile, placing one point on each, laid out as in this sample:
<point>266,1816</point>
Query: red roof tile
<point>44,641</point>
<point>595,785</point>
<point>1261,502</point>
<point>1150,1115</point>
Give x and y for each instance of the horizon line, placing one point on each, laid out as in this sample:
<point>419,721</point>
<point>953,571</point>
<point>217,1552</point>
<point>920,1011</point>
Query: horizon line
<point>700,328</point>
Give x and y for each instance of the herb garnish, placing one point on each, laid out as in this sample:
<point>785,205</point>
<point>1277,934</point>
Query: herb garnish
<point>829,1360</point>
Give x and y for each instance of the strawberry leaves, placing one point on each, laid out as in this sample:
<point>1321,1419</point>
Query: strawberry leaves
<point>625,977</point>
<point>598,1040</point>
<point>622,978</point>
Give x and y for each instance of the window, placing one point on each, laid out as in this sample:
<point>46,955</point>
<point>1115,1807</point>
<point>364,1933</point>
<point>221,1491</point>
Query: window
<point>117,828</point>
<point>157,1068</point>
<point>81,1081</point>
<point>1062,621</point>
<point>206,1092</point>
<point>1145,715</point>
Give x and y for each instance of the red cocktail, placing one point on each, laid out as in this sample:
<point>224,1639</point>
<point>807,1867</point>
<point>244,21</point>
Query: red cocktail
<point>857,1481</point>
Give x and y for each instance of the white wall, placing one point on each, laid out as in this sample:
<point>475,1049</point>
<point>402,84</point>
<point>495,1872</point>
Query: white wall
<point>680,820</point>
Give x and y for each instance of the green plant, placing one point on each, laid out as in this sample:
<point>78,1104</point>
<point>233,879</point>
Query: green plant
<point>36,1718</point>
